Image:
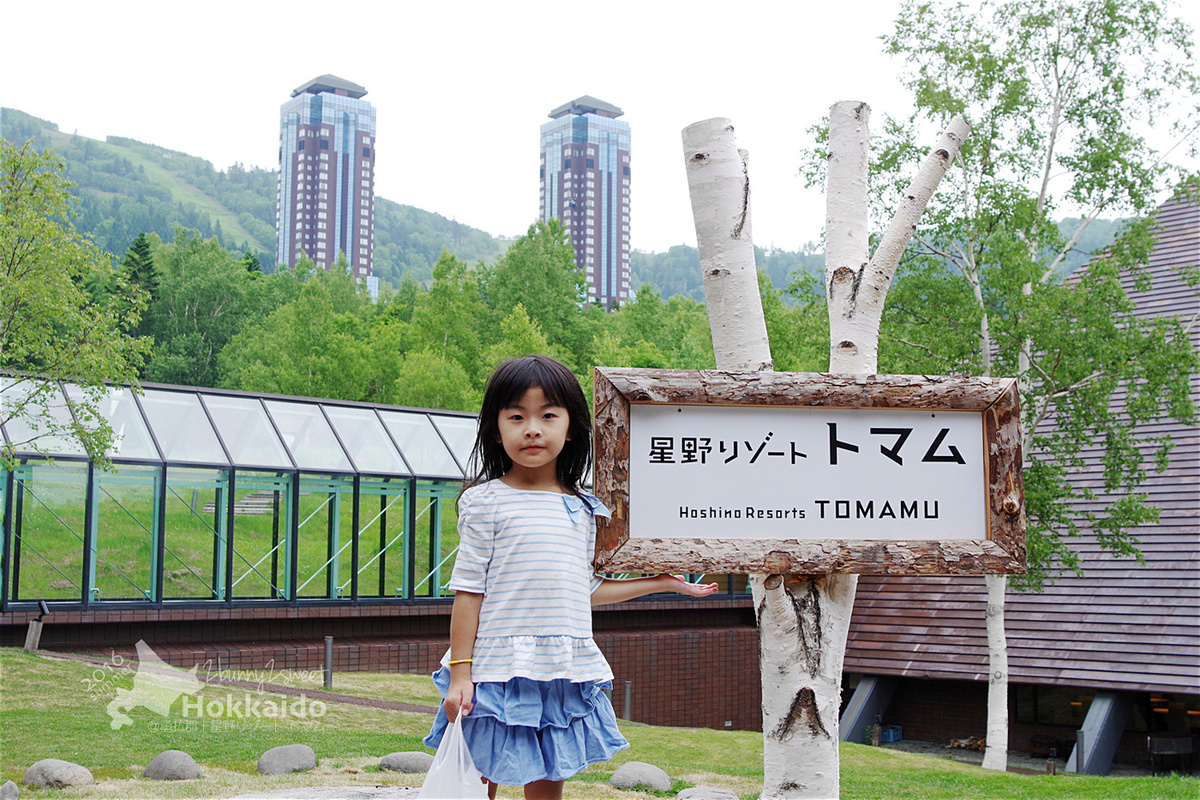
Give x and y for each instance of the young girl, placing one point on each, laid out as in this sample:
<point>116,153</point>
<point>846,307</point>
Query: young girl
<point>522,665</point>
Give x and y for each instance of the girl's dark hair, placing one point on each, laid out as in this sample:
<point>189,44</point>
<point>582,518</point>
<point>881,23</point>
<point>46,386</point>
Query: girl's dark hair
<point>508,383</point>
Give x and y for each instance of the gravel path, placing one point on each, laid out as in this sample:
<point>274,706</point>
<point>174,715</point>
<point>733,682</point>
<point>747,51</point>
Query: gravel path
<point>333,793</point>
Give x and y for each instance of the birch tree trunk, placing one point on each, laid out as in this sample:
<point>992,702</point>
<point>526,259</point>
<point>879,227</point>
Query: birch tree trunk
<point>719,185</point>
<point>801,675</point>
<point>995,756</point>
<point>802,620</point>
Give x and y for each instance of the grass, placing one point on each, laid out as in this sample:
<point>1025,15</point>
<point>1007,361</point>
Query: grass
<point>52,708</point>
<point>399,688</point>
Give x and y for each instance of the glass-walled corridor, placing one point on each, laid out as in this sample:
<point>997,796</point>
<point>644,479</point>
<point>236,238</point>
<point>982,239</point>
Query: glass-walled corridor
<point>228,497</point>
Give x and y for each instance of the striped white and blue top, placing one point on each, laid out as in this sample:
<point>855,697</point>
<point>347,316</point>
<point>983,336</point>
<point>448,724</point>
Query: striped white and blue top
<point>530,555</point>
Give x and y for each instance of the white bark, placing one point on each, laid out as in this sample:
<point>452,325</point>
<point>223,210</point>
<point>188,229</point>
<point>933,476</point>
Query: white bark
<point>995,756</point>
<point>802,625</point>
<point>803,620</point>
<point>719,185</point>
<point>856,296</point>
<point>800,649</point>
<point>846,223</point>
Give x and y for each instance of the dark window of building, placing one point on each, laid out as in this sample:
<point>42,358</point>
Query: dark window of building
<point>301,146</point>
<point>591,163</point>
<point>625,171</point>
<point>566,163</point>
<point>325,146</point>
<point>366,152</point>
<point>542,173</point>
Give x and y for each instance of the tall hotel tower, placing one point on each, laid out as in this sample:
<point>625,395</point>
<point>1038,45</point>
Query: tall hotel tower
<point>327,176</point>
<point>585,183</point>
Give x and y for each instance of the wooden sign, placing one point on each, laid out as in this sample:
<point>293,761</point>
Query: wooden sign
<point>804,473</point>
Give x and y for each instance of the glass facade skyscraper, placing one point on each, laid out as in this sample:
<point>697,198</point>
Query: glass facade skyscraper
<point>585,183</point>
<point>327,176</point>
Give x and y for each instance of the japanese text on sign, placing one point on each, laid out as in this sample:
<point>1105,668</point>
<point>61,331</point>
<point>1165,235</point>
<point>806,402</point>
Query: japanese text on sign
<point>779,472</point>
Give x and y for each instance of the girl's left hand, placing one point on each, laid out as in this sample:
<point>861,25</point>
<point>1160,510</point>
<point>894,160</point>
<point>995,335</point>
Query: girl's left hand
<point>678,584</point>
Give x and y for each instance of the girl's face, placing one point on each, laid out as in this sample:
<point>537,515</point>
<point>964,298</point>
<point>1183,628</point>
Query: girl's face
<point>533,432</point>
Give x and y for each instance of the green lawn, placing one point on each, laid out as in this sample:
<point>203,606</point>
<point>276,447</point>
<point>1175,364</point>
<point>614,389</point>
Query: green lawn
<point>57,709</point>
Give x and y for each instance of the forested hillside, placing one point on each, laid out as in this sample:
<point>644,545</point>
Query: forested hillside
<point>126,187</point>
<point>677,271</point>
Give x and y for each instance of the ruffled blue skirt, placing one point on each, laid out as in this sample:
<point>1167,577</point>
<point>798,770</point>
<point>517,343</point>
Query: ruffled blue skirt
<point>524,730</point>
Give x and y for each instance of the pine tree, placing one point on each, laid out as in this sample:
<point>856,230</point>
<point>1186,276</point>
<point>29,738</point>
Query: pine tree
<point>252,264</point>
<point>138,265</point>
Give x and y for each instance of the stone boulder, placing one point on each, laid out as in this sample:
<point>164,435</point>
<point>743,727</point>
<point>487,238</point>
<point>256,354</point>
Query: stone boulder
<point>706,793</point>
<point>634,774</point>
<point>287,758</point>
<point>55,773</point>
<point>9,791</point>
<point>172,765</point>
<point>412,761</point>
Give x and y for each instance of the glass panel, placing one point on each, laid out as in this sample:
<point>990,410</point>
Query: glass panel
<point>196,517</point>
<point>420,443</point>
<point>382,518</point>
<point>24,405</point>
<point>48,517</point>
<point>182,428</point>
<point>436,536</point>
<point>459,432</point>
<point>308,436</point>
<point>325,544</point>
<point>131,437</point>
<point>3,505</point>
<point>246,432</point>
<point>125,533</point>
<point>260,525</point>
<point>368,442</point>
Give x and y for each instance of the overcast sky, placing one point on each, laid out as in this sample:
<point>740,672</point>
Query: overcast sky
<point>461,88</point>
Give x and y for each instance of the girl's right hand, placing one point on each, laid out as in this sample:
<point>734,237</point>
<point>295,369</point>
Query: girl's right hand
<point>460,695</point>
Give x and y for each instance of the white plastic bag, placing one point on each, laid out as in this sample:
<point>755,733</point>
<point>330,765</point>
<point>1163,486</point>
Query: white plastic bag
<point>452,775</point>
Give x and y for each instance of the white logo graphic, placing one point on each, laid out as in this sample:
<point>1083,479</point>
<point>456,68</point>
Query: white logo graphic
<point>156,686</point>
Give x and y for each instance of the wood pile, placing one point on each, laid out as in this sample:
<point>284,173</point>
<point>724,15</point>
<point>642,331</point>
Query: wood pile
<point>970,743</point>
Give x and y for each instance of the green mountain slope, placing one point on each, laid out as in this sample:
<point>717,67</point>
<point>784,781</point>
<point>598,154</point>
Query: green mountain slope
<point>126,187</point>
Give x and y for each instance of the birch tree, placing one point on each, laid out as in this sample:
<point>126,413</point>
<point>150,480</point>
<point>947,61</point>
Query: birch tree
<point>1065,94</point>
<point>51,329</point>
<point>803,619</point>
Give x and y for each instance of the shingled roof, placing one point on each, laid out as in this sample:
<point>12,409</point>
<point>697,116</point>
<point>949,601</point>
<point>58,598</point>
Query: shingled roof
<point>1124,624</point>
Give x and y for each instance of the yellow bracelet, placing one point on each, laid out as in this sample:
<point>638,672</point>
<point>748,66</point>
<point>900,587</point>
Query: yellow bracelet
<point>459,661</point>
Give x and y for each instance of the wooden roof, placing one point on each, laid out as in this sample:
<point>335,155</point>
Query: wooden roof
<point>1123,624</point>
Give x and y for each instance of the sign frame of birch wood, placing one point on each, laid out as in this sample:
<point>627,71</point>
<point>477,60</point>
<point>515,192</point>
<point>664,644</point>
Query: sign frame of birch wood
<point>997,400</point>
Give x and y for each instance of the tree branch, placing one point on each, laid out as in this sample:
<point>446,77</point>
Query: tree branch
<point>856,296</point>
<point>1070,244</point>
<point>887,255</point>
<point>928,350</point>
